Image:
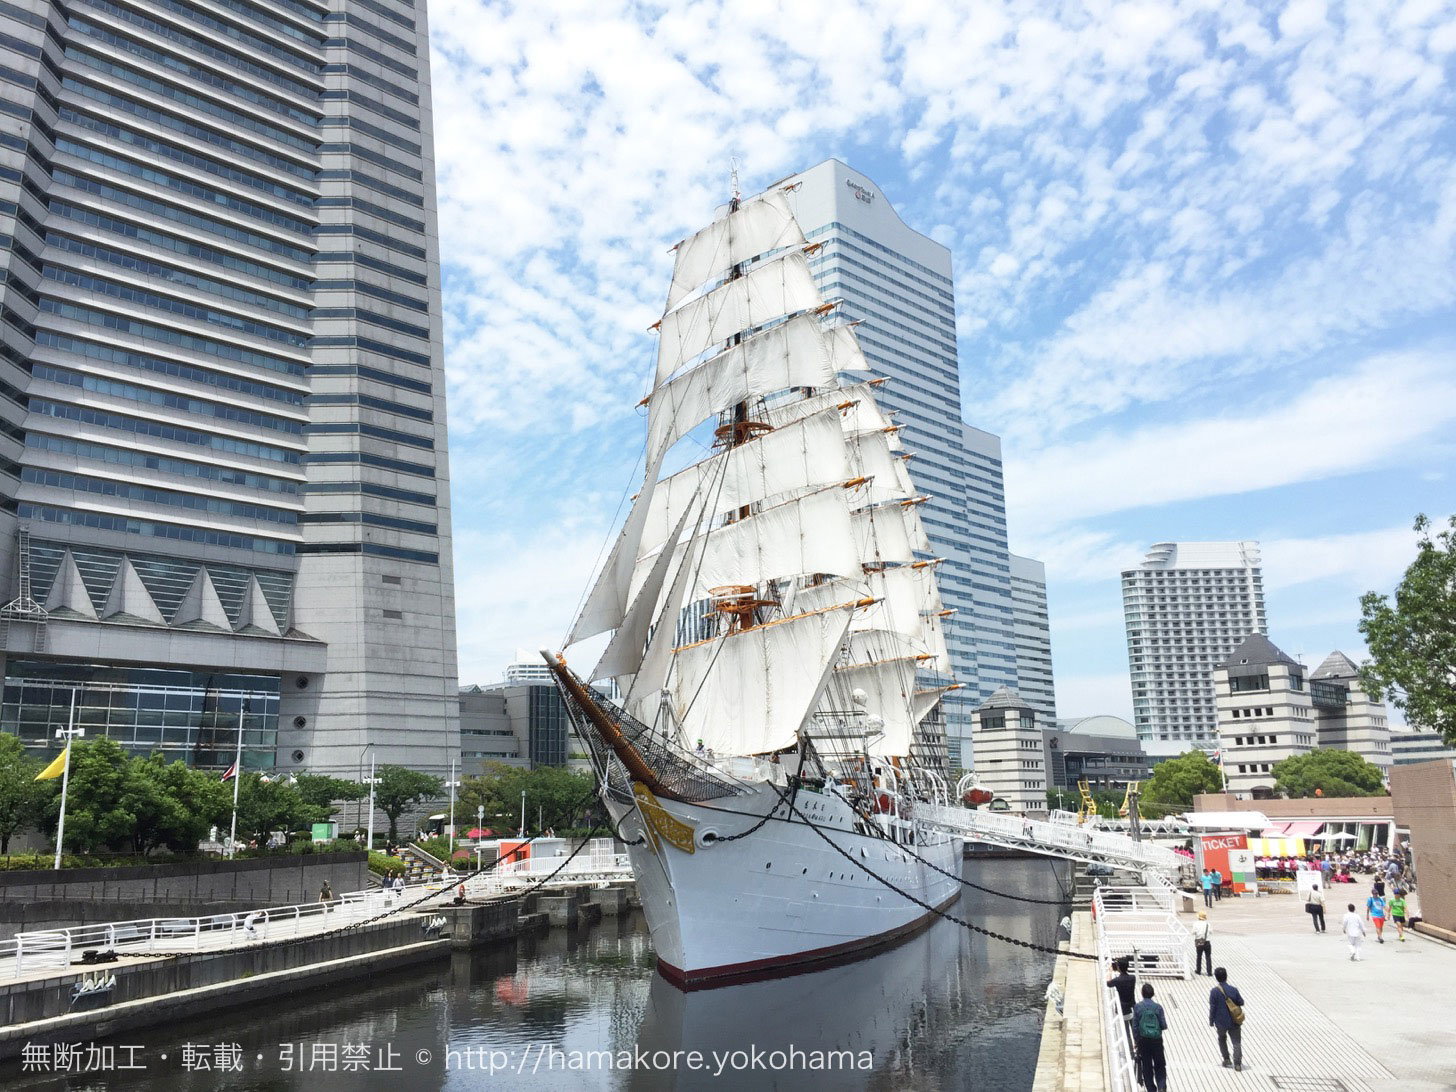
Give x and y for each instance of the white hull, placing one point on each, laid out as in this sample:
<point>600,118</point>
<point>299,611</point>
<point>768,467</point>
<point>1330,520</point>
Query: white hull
<point>780,899</point>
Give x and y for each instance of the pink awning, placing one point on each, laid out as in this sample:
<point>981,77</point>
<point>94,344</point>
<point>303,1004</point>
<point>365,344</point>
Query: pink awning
<point>1304,828</point>
<point>1278,830</point>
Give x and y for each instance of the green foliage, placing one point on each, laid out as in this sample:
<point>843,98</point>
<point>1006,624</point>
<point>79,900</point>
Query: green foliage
<point>560,795</point>
<point>22,797</point>
<point>382,864</point>
<point>1413,643</point>
<point>268,805</point>
<point>1176,781</point>
<point>1108,801</point>
<point>319,791</point>
<point>97,817</point>
<point>400,788</point>
<point>1333,772</point>
<point>173,804</point>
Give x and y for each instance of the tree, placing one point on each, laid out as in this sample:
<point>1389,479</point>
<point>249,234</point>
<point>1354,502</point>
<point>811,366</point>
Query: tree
<point>173,805</point>
<point>320,792</point>
<point>555,794</point>
<point>97,816</point>
<point>1333,772</point>
<point>1413,643</point>
<point>1176,781</point>
<point>400,788</point>
<point>266,805</point>
<point>22,797</point>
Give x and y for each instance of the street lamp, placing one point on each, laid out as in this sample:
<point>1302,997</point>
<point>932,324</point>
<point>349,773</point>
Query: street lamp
<point>452,784</point>
<point>68,733</point>
<point>359,776</point>
<point>371,781</point>
<point>523,813</point>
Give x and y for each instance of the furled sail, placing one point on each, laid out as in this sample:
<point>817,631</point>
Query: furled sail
<point>624,651</point>
<point>791,354</point>
<point>783,286</point>
<point>748,692</point>
<point>760,225</point>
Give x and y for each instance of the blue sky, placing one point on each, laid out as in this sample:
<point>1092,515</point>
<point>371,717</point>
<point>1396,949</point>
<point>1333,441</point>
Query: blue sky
<point>1204,259</point>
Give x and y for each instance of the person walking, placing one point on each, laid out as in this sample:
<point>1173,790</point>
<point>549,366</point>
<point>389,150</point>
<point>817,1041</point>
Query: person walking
<point>1226,1013</point>
<point>1314,906</point>
<point>1207,881</point>
<point>1217,886</point>
<point>1375,912</point>
<point>1149,1021</point>
<point>1126,986</point>
<point>1202,944</point>
<point>326,895</point>
<point>1397,913</point>
<point>1354,930</point>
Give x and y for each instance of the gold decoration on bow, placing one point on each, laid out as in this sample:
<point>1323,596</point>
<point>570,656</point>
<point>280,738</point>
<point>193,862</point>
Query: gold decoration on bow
<point>658,823</point>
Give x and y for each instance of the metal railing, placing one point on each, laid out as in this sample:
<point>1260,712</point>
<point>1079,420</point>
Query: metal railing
<point>1121,1064</point>
<point>1141,924</point>
<point>1057,839</point>
<point>152,936</point>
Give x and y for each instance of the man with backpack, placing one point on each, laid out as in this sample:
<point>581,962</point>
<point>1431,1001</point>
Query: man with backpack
<point>1226,1013</point>
<point>1148,1024</point>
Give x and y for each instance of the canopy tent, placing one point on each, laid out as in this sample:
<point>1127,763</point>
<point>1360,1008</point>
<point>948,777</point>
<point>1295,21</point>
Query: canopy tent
<point>1296,829</point>
<point>1277,847</point>
<point>1226,820</point>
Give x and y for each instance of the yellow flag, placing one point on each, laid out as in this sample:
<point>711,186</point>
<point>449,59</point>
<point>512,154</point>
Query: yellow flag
<point>55,769</point>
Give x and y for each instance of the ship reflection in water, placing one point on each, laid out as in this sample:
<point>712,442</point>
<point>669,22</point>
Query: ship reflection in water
<point>947,1009</point>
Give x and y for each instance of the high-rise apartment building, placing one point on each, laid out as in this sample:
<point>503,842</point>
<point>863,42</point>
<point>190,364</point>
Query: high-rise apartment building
<point>1031,626</point>
<point>897,284</point>
<point>222,427</point>
<point>1186,608</point>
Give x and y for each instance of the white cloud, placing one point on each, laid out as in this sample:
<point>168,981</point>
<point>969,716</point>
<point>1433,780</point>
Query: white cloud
<point>1360,561</point>
<point>1388,405</point>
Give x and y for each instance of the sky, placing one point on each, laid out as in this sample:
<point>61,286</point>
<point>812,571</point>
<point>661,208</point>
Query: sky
<point>1204,257</point>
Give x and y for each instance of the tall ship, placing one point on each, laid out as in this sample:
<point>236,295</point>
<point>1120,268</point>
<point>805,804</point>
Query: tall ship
<point>776,652</point>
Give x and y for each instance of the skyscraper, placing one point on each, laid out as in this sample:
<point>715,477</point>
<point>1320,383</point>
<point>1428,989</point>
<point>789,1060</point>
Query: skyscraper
<point>224,413</point>
<point>897,284</point>
<point>1186,608</point>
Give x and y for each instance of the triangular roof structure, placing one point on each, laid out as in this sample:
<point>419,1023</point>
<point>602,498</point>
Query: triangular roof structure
<point>68,594</point>
<point>200,607</point>
<point>256,616</point>
<point>1003,697</point>
<point>128,599</point>
<point>1336,666</point>
<point>1258,651</point>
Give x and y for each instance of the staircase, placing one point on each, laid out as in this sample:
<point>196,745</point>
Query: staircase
<point>419,865</point>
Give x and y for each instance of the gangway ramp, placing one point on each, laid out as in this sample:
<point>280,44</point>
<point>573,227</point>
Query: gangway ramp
<point>1052,839</point>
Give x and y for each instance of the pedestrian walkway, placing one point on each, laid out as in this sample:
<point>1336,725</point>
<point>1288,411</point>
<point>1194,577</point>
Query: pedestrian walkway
<point>1316,1022</point>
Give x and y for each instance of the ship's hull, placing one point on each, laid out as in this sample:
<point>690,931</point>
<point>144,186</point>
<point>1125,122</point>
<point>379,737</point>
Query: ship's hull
<point>779,899</point>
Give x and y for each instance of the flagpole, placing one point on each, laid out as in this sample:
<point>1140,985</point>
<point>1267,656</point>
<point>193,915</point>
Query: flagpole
<point>237,782</point>
<point>70,732</point>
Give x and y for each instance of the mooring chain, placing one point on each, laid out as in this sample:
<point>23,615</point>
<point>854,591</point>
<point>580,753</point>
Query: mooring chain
<point>925,905</point>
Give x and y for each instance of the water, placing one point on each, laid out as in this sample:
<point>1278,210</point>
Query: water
<point>948,1009</point>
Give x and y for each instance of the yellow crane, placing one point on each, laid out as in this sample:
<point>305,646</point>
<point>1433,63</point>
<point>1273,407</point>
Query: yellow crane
<point>1089,806</point>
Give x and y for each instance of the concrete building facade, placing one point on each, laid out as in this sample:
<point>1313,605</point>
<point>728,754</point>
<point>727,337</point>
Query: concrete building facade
<point>1010,754</point>
<point>1409,746</point>
<point>522,724</point>
<point>223,415</point>
<point>1271,708</point>
<point>897,283</point>
<point>1103,751</point>
<point>1186,607</point>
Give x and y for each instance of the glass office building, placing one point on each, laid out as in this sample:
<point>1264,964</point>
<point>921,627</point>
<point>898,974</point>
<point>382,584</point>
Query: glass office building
<point>897,284</point>
<point>222,405</point>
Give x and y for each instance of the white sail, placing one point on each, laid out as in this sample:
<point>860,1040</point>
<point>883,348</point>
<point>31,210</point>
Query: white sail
<point>906,599</point>
<point>890,534</point>
<point>643,695</point>
<point>783,286</point>
<point>792,354</point>
<point>808,453</point>
<point>809,534</point>
<point>873,459</point>
<point>624,651</point>
<point>845,351</point>
<point>787,662</point>
<point>606,603</point>
<point>761,224</point>
<point>926,700</point>
<point>889,688</point>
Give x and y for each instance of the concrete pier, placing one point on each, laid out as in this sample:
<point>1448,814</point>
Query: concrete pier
<point>1071,1057</point>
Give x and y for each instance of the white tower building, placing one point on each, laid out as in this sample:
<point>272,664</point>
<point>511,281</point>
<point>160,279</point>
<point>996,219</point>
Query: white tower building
<point>1186,608</point>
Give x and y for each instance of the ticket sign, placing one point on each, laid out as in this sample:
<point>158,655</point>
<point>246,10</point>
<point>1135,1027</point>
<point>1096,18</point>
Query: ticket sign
<point>1230,855</point>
